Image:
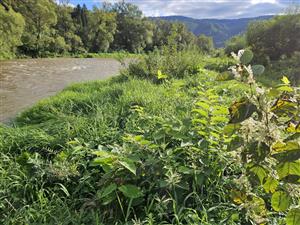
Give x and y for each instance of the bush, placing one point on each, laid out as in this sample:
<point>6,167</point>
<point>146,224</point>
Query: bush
<point>177,64</point>
<point>217,64</point>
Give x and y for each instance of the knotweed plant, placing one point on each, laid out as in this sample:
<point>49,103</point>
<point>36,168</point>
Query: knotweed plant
<point>264,128</point>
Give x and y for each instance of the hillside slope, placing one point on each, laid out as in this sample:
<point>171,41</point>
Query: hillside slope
<point>220,29</point>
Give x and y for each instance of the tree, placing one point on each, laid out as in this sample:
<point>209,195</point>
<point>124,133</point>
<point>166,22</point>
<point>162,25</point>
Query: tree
<point>235,44</point>
<point>66,29</point>
<point>179,37</point>
<point>11,29</point>
<point>80,16</point>
<point>276,37</point>
<point>134,32</point>
<point>40,16</point>
<point>102,29</point>
<point>162,29</point>
<point>205,44</point>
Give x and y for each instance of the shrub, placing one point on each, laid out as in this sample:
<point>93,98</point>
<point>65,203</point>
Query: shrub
<point>175,64</point>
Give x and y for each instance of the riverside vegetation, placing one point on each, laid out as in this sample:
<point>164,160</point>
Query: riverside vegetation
<point>48,28</point>
<point>172,140</point>
<point>181,136</point>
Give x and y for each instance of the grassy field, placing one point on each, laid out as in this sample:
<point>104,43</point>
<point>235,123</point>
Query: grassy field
<point>128,150</point>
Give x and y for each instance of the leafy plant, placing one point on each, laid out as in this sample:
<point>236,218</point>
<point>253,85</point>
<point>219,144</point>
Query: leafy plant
<point>265,125</point>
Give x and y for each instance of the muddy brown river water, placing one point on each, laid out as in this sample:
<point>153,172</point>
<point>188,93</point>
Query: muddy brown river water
<point>25,81</point>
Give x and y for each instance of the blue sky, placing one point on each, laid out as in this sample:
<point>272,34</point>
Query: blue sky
<point>205,8</point>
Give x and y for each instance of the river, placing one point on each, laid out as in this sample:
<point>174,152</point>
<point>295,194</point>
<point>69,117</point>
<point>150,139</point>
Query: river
<point>25,81</point>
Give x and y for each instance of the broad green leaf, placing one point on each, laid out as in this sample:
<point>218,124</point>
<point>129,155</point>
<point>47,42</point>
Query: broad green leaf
<point>279,147</point>
<point>108,199</point>
<point>288,168</point>
<point>128,164</point>
<point>102,153</point>
<point>241,110</point>
<point>293,217</point>
<point>270,185</point>
<point>285,80</point>
<point>293,127</point>
<point>229,129</point>
<point>285,105</point>
<point>259,172</point>
<point>280,201</point>
<point>246,57</point>
<point>258,206</point>
<point>285,88</point>
<point>108,161</point>
<point>131,191</point>
<point>273,92</point>
<point>107,190</point>
<point>258,70</point>
<point>289,151</point>
<point>258,150</point>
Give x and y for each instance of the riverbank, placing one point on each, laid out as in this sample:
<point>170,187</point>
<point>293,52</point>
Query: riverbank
<point>26,81</point>
<point>159,144</point>
<point>144,132</point>
<point>114,55</point>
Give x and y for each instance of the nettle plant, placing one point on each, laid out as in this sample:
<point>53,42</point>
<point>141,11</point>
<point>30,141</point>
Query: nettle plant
<point>265,135</point>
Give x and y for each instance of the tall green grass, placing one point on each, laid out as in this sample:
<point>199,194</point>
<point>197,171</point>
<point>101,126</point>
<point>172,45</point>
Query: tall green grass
<point>49,174</point>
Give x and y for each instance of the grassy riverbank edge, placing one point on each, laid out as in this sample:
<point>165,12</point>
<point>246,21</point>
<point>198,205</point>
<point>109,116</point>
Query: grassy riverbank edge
<point>114,55</point>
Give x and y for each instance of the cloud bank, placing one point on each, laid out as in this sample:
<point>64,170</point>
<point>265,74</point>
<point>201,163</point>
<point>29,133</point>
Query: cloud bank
<point>200,9</point>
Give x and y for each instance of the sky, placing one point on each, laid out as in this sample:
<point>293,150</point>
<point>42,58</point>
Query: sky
<point>204,9</point>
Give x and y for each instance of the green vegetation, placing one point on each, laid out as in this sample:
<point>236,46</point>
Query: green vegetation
<point>184,135</point>
<point>157,145</point>
<point>10,32</point>
<point>44,28</point>
<point>275,44</point>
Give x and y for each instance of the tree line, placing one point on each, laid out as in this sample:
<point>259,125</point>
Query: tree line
<point>40,28</point>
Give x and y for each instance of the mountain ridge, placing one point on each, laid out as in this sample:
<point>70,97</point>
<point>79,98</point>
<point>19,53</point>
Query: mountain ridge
<point>219,29</point>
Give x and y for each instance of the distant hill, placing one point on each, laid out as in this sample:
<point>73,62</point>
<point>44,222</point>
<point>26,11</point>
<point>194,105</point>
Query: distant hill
<point>220,29</point>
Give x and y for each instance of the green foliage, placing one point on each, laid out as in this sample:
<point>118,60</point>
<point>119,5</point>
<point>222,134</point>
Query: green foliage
<point>66,28</point>
<point>40,16</point>
<point>102,30</point>
<point>11,28</point>
<point>293,217</point>
<point>275,37</point>
<point>205,43</point>
<point>134,32</point>
<point>114,151</point>
<point>268,140</point>
<point>235,44</point>
<point>171,63</point>
<point>54,29</point>
<point>184,149</point>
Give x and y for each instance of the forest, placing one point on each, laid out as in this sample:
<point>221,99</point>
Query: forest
<point>186,134</point>
<point>42,28</point>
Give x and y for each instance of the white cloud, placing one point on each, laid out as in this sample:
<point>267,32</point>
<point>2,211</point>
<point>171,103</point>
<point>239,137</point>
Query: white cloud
<point>209,8</point>
<point>263,1</point>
